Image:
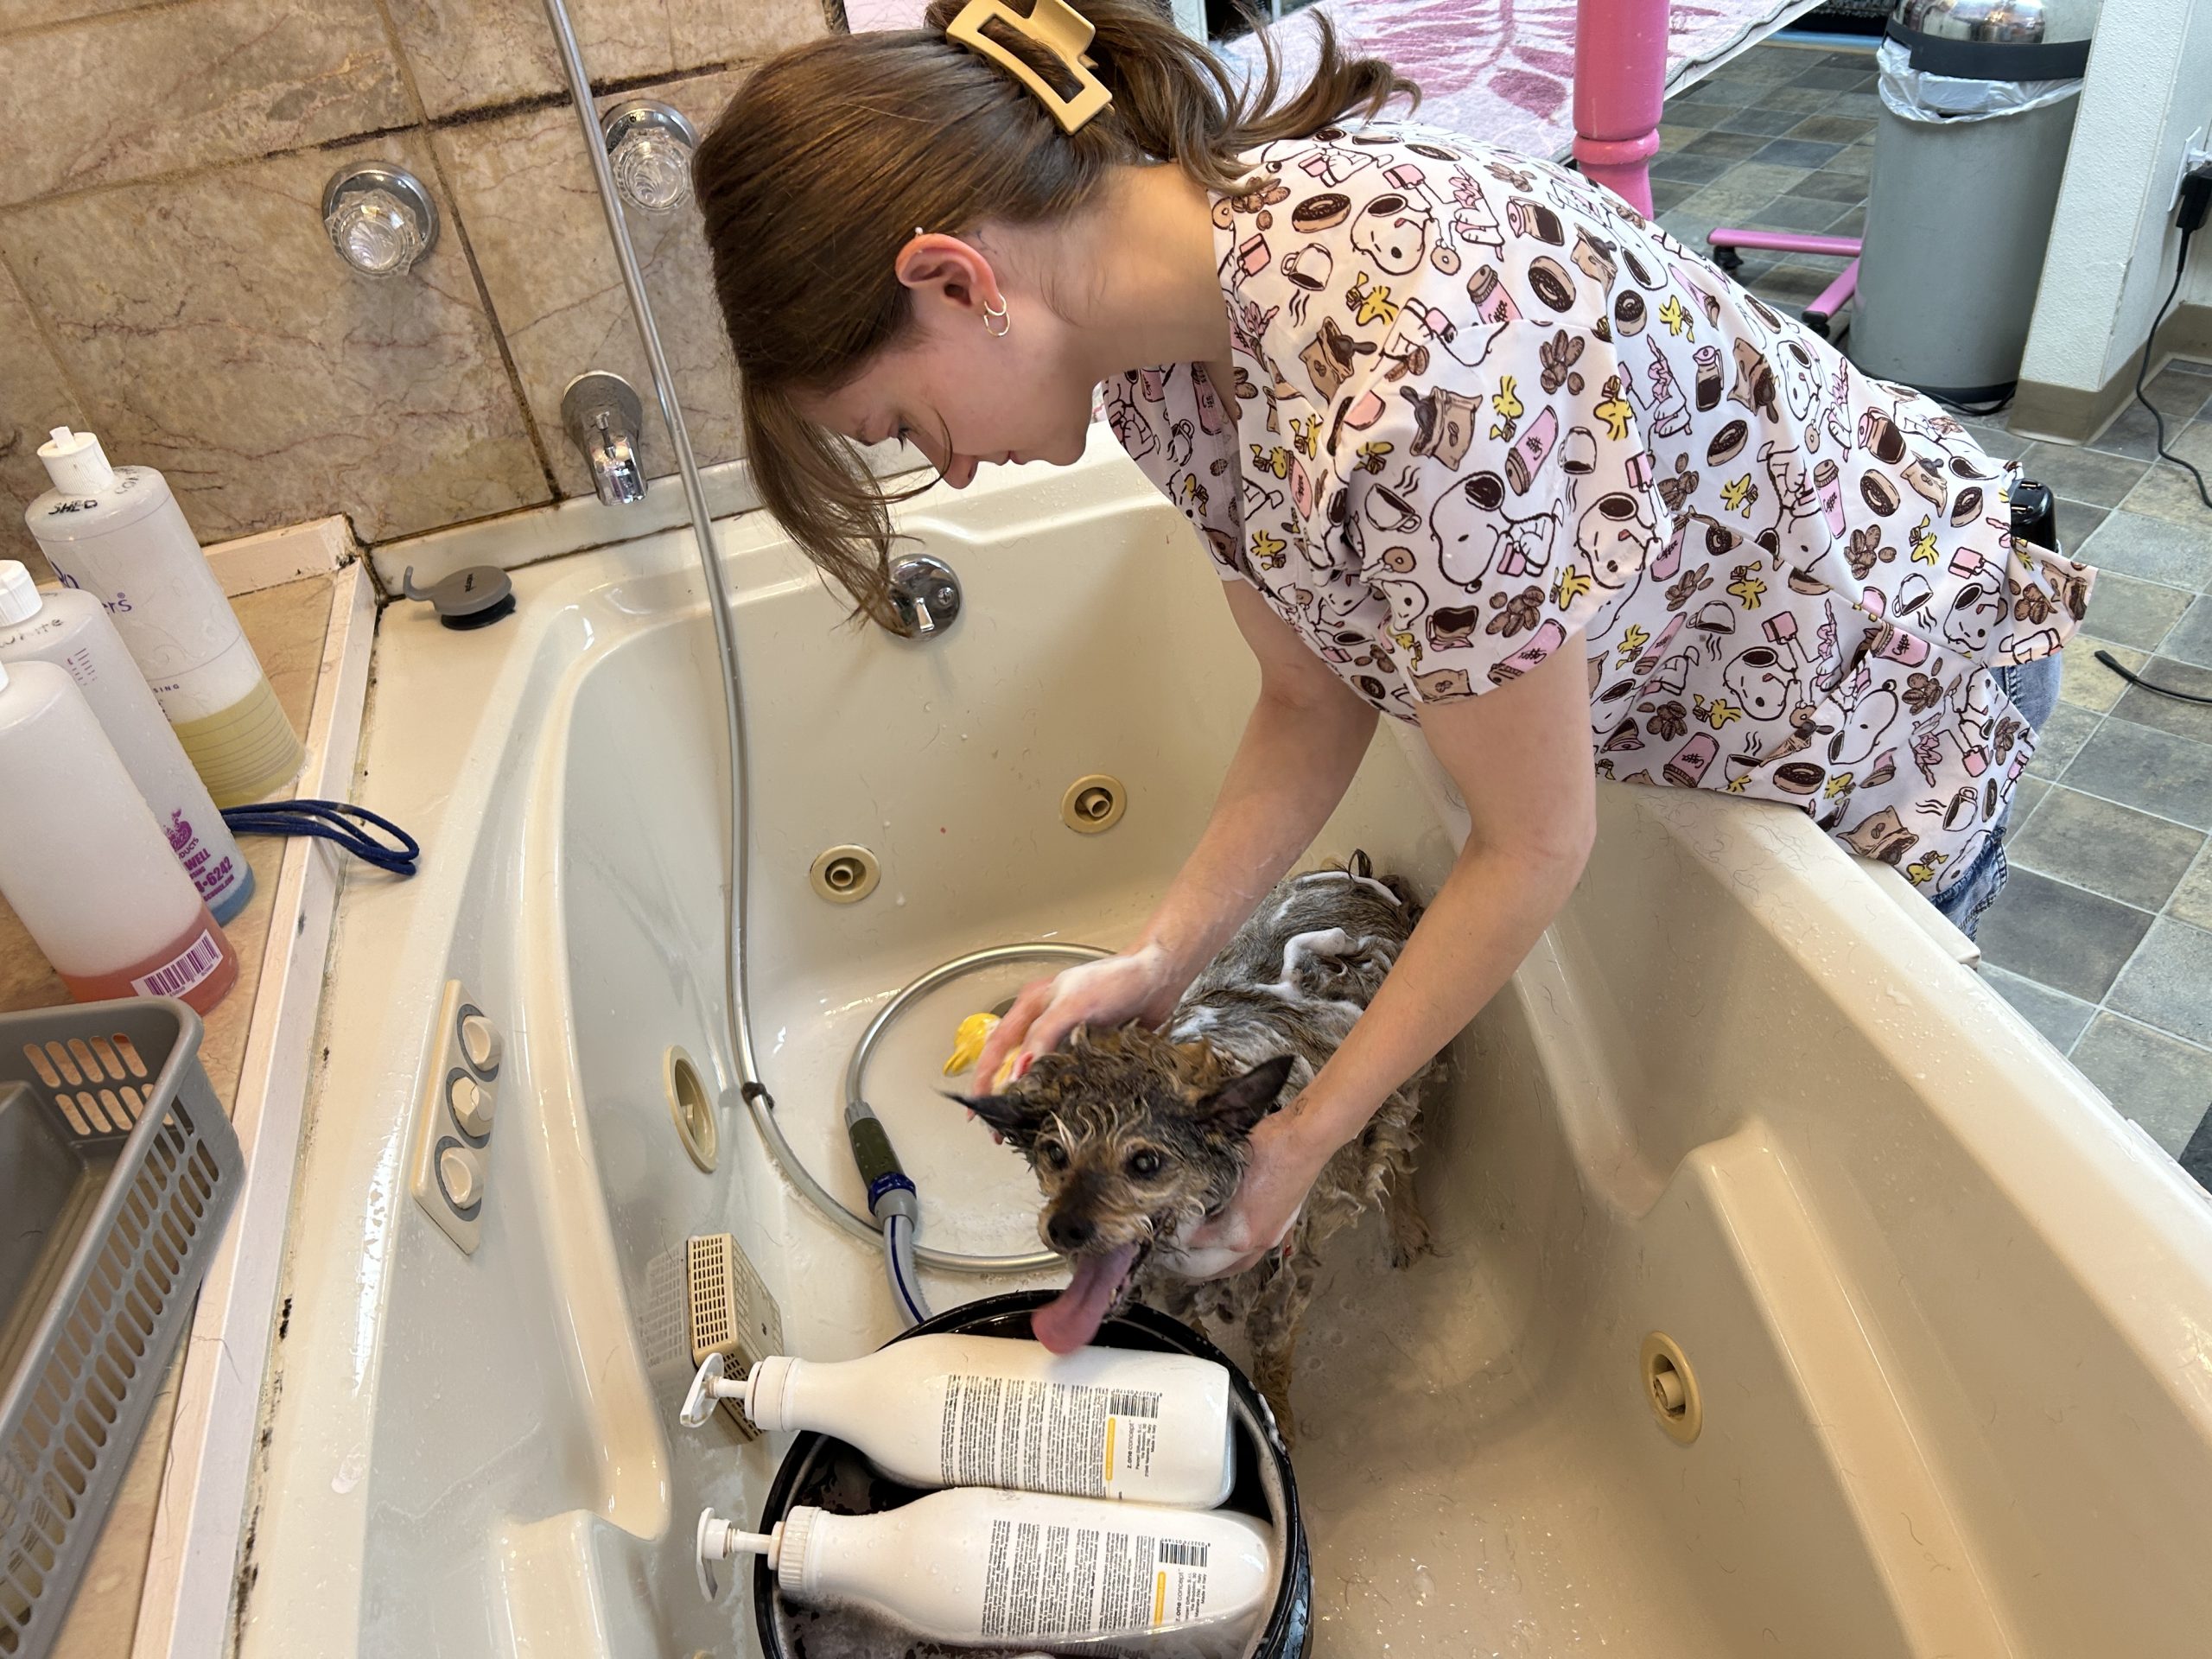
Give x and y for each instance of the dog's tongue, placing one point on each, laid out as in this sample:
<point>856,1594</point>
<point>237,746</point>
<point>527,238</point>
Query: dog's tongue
<point>1072,1317</point>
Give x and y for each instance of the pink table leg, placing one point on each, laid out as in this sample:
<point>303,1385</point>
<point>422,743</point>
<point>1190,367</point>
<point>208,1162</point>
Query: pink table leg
<point>1620,78</point>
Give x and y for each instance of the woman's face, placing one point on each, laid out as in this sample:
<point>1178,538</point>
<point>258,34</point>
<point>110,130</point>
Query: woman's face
<point>963,395</point>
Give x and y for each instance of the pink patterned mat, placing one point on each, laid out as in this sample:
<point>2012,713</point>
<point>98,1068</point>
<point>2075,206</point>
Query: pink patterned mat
<point>1500,70</point>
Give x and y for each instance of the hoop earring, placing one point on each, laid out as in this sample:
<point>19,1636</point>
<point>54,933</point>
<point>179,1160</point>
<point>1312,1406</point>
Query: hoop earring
<point>995,311</point>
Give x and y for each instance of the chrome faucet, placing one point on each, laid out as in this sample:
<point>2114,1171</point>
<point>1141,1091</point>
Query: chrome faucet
<point>605,420</point>
<point>925,593</point>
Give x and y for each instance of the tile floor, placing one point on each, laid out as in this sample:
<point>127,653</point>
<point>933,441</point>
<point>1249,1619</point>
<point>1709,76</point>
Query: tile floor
<point>2103,938</point>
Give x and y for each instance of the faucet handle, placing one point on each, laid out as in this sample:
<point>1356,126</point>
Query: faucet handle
<point>925,593</point>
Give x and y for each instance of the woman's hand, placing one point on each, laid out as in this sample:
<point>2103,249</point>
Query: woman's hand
<point>1137,984</point>
<point>1283,1168</point>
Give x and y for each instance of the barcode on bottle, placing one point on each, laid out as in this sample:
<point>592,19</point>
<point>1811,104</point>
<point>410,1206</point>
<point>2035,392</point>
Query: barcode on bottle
<point>199,959</point>
<point>1133,1402</point>
<point>1174,1552</point>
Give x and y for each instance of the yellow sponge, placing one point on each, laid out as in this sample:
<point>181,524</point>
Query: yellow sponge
<point>968,1048</point>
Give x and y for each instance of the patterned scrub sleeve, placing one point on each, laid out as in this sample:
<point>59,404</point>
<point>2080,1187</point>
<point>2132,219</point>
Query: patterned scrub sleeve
<point>1503,499</point>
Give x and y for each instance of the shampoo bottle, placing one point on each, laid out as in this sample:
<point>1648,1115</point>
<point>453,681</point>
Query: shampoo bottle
<point>119,534</point>
<point>952,1410</point>
<point>70,630</point>
<point>82,861</point>
<point>977,1568</point>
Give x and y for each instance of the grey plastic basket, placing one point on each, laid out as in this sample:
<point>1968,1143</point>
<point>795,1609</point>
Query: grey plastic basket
<point>118,1168</point>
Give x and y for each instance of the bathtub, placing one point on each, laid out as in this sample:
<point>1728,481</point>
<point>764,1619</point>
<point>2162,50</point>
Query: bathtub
<point>1946,1318</point>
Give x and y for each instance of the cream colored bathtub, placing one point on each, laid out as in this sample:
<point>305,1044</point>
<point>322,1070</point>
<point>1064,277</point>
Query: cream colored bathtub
<point>1949,1318</point>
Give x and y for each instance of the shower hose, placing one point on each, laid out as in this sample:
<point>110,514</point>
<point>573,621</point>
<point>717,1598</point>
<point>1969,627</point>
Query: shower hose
<point>894,1207</point>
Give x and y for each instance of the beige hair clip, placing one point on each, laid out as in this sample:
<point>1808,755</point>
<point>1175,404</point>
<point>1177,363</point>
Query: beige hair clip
<point>1060,29</point>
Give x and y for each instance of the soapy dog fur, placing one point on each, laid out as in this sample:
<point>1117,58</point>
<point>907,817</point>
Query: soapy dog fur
<point>1137,1135</point>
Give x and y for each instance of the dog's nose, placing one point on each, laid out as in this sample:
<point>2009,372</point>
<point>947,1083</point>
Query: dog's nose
<point>1069,1233</point>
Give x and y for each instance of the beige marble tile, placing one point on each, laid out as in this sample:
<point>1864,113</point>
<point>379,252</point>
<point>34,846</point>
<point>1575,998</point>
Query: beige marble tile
<point>34,399</point>
<point>475,54</point>
<point>45,13</point>
<point>221,339</point>
<point>524,187</point>
<point>207,81</point>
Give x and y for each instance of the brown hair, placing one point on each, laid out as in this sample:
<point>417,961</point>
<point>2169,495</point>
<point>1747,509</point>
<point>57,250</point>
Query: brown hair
<point>816,175</point>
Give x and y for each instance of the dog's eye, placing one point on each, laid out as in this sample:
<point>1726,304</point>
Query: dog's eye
<point>1053,1154</point>
<point>1144,1163</point>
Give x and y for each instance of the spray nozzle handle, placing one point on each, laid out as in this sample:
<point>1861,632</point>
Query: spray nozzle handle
<point>718,1540</point>
<point>712,1384</point>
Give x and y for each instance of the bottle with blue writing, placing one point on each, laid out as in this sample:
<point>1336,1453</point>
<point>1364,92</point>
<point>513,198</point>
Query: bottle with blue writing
<point>119,534</point>
<point>71,630</point>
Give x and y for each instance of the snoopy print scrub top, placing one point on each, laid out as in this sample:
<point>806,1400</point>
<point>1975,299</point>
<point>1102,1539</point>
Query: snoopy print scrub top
<point>1484,405</point>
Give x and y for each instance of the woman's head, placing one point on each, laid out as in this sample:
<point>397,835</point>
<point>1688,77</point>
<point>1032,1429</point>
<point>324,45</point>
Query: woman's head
<point>848,323</point>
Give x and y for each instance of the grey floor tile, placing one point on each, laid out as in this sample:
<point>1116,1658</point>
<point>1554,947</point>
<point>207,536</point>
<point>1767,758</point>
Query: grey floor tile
<point>2169,984</point>
<point>2064,937</point>
<point>2147,707</point>
<point>1689,166</point>
<point>2061,738</point>
<point>1853,223</point>
<point>1832,186</point>
<point>2191,639</point>
<point>1805,100</point>
<point>1772,123</point>
<point>2178,394</point>
<point>1688,112</point>
<point>1805,213</point>
<point>2192,900</point>
<point>2027,795</point>
<point>2133,612</point>
<point>1688,223</point>
<point>2168,491</point>
<point>2163,1084</point>
<point>2155,549</point>
<point>2081,474</point>
<point>1830,129</point>
<point>1861,106</point>
<point>1732,88</point>
<point>1837,78</point>
<point>1798,152</point>
<point>2077,522</point>
<point>1672,137</point>
<point>1792,285</point>
<point>2134,434</point>
<point>1733,146</point>
<point>1860,58</point>
<point>2110,849</point>
<point>2059,1017</point>
<point>1667,194</point>
<point>2152,771</point>
<point>2084,682</point>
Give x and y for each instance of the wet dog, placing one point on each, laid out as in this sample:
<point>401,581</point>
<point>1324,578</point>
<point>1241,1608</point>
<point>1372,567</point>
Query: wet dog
<point>1137,1136</point>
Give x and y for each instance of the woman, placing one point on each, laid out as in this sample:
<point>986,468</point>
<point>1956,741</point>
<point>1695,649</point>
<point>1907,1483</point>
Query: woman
<point>1470,443</point>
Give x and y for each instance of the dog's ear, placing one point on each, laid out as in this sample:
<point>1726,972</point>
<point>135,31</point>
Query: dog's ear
<point>1242,1102</point>
<point>1017,1119</point>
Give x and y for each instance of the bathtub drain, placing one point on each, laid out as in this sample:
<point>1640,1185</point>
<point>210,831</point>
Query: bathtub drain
<point>1670,1387</point>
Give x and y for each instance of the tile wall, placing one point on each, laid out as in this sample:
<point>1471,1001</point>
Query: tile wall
<point>166,280</point>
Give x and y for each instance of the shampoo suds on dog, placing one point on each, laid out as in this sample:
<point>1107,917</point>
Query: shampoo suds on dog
<point>952,1410</point>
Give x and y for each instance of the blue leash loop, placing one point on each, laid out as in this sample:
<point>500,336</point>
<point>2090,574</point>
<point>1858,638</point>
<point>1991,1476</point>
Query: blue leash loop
<point>329,821</point>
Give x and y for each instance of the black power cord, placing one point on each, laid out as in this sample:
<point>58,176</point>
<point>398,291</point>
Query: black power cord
<point>2134,678</point>
<point>2195,205</point>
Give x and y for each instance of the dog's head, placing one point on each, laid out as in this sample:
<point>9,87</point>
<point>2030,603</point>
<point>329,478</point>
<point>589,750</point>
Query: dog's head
<point>1133,1138</point>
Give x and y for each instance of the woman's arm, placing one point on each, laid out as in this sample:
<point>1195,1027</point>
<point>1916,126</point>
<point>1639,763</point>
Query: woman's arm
<point>1301,746</point>
<point>1521,756</point>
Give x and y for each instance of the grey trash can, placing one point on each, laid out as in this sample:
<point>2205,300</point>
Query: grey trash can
<point>1978,104</point>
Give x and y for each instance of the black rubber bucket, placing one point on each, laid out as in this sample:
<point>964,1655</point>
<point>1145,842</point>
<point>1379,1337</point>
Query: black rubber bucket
<point>829,1475</point>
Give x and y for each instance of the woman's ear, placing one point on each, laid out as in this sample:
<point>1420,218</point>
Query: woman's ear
<point>947,269</point>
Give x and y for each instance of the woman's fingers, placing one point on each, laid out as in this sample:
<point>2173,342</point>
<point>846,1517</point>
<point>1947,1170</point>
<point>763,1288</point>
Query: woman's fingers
<point>1009,1032</point>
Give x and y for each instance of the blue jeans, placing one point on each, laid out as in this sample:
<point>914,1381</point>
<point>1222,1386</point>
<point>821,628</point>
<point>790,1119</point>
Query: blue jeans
<point>2033,689</point>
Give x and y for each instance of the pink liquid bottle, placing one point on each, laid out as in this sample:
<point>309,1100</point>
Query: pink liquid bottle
<point>84,864</point>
